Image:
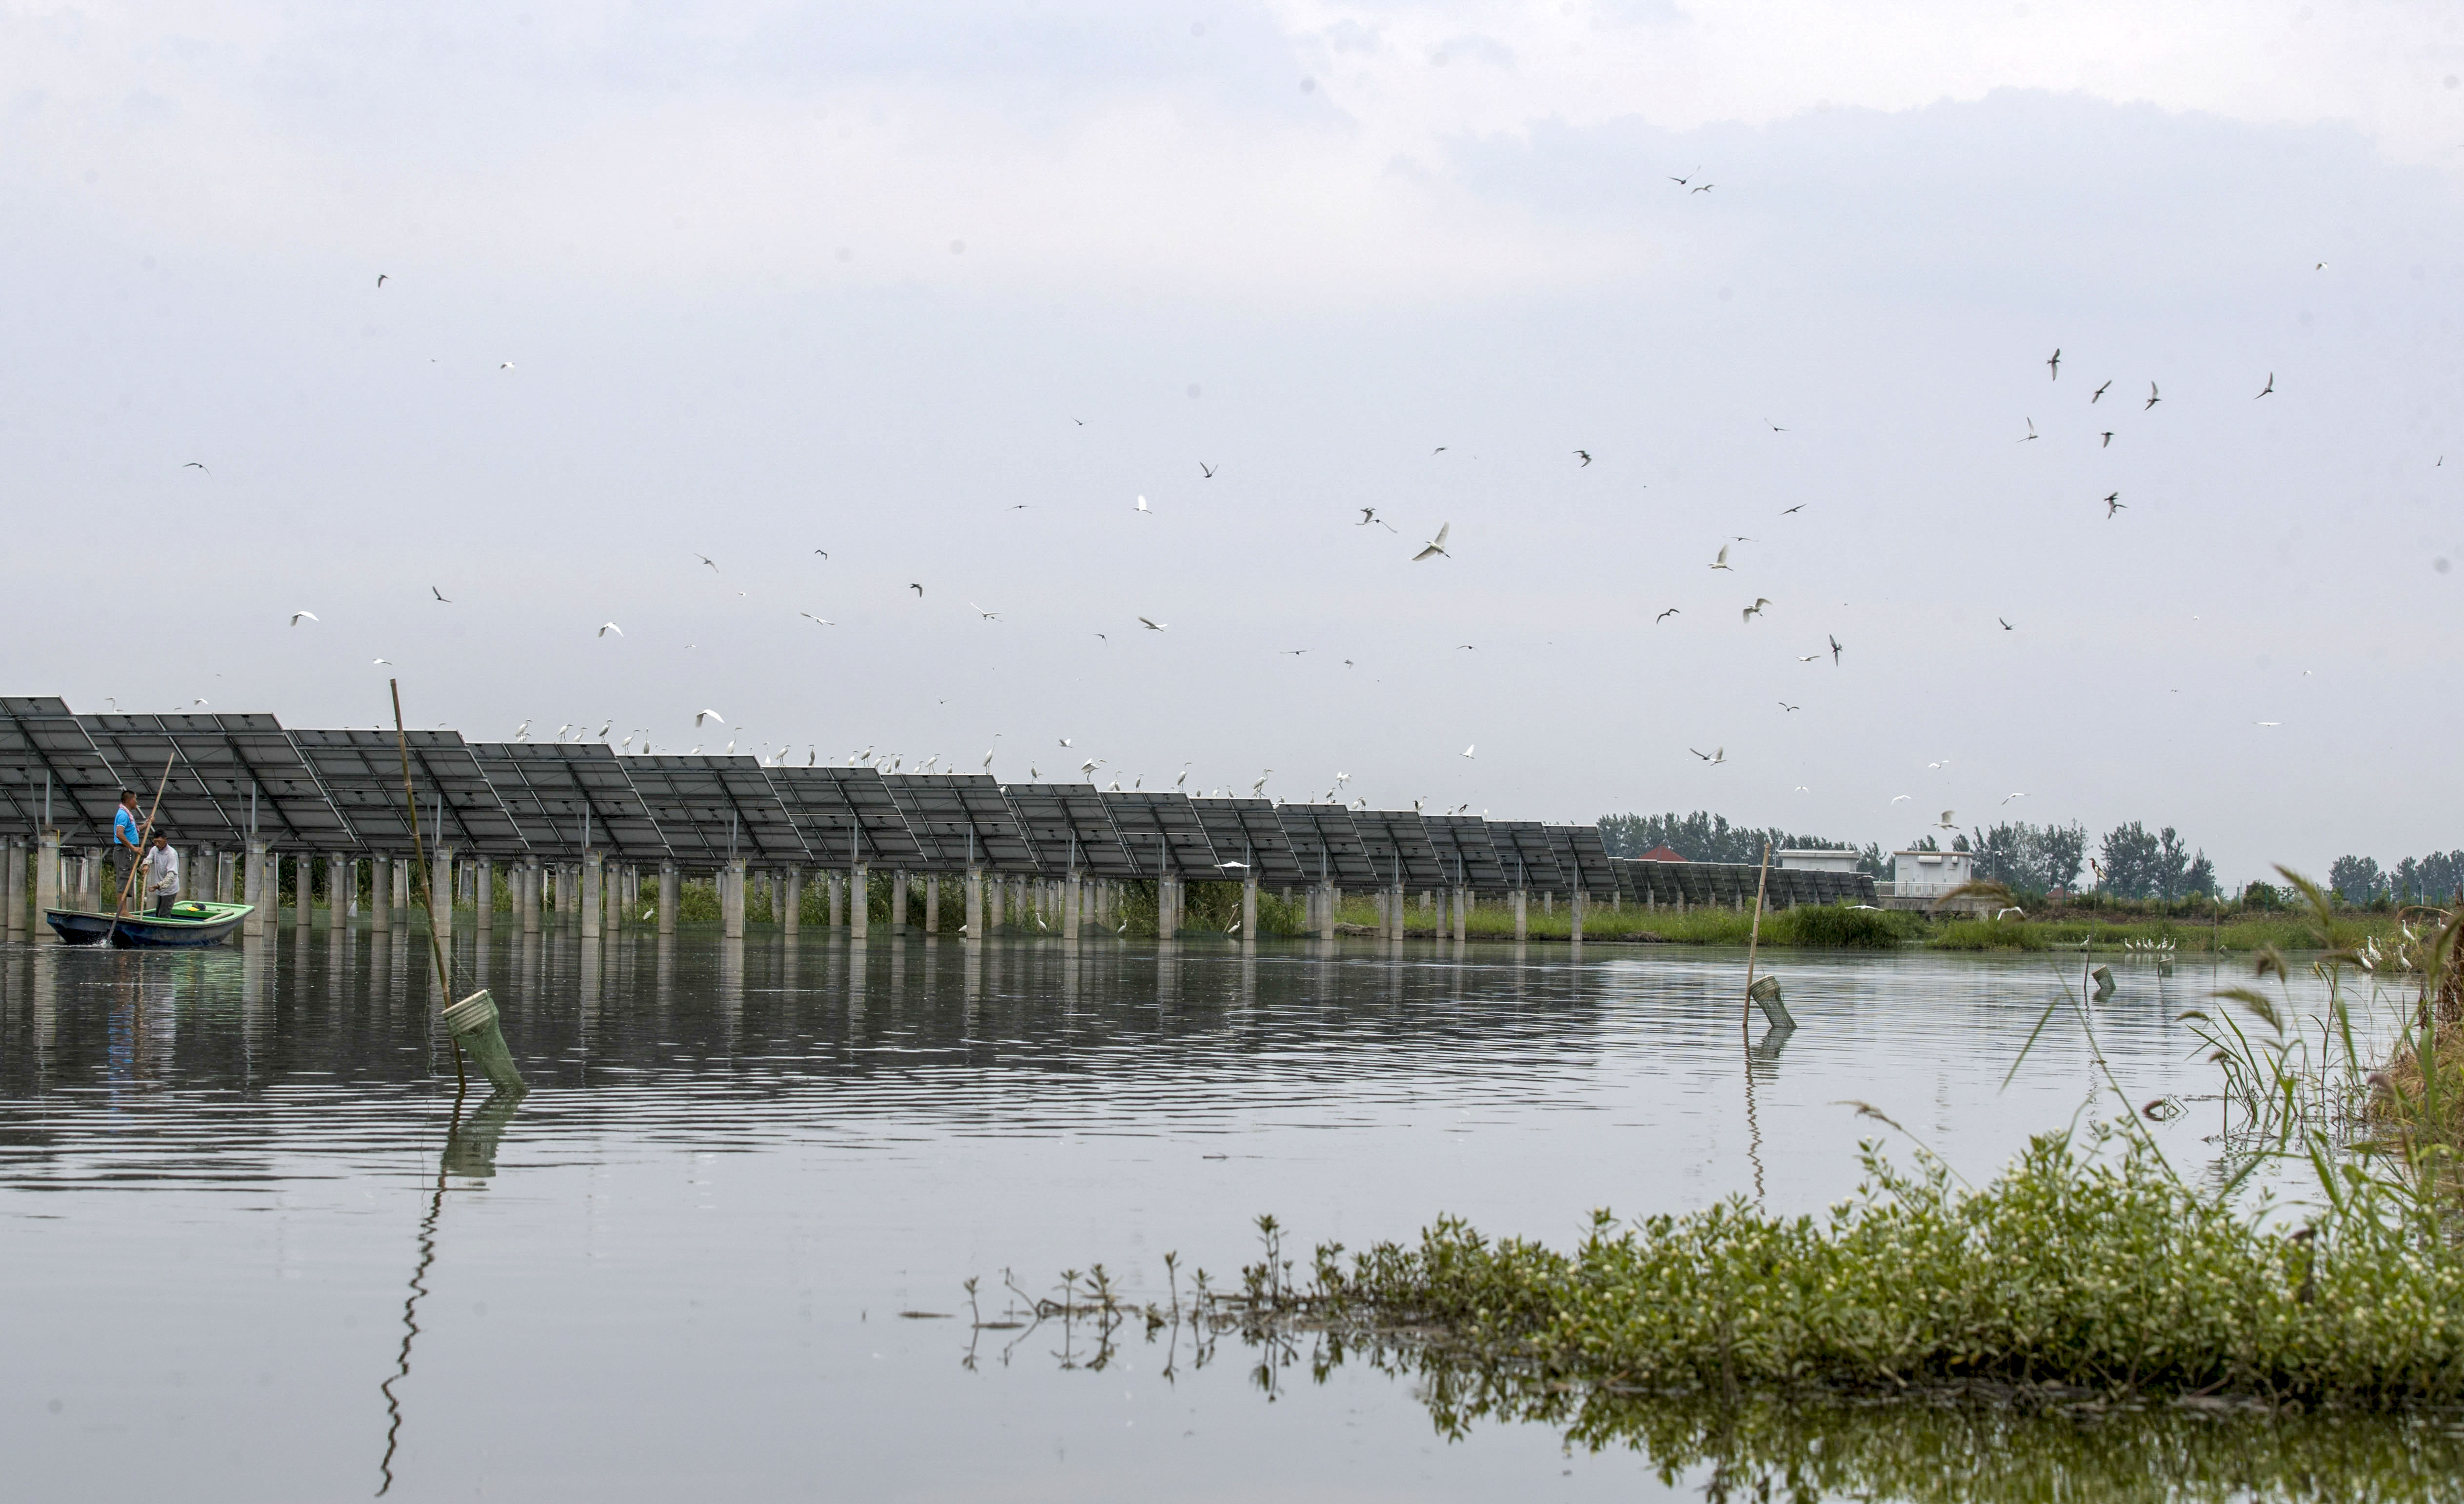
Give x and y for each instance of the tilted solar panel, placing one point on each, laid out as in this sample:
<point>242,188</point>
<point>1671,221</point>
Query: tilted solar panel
<point>1326,845</point>
<point>1248,831</point>
<point>1399,847</point>
<point>1466,851</point>
<point>1163,834</point>
<point>1070,829</point>
<point>847,816</point>
<point>555,793</point>
<point>711,809</point>
<point>51,773</point>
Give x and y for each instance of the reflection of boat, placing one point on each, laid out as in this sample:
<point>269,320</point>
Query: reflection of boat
<point>187,925</point>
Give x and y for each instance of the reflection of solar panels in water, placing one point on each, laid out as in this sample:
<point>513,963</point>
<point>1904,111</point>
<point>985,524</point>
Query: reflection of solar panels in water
<point>1466,851</point>
<point>715,808</point>
<point>1399,847</point>
<point>1248,831</point>
<point>847,816</point>
<point>1070,830</point>
<point>50,771</point>
<point>1326,845</point>
<point>1528,855</point>
<point>961,820</point>
<point>231,779</point>
<point>1163,834</point>
<point>554,793</point>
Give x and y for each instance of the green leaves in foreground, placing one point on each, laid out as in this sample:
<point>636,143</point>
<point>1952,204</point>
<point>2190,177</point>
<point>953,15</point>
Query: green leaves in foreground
<point>2094,1270</point>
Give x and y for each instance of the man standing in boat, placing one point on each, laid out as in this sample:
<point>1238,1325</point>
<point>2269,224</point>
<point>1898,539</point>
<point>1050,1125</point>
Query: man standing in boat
<point>162,876</point>
<point>129,842</point>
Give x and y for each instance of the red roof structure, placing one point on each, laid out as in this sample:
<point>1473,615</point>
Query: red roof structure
<point>1660,853</point>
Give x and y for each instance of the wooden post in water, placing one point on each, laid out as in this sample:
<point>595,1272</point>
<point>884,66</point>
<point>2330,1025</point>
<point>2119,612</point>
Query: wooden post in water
<point>1754,936</point>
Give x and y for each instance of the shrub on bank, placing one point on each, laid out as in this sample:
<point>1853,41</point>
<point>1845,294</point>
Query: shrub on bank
<point>1842,927</point>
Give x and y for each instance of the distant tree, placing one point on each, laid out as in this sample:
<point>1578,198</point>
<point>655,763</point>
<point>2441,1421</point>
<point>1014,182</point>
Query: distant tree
<point>2356,880</point>
<point>1703,836</point>
<point>2062,849</point>
<point>2130,857</point>
<point>2202,875</point>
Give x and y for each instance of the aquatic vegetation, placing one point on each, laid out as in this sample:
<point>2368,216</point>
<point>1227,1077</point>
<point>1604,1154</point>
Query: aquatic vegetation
<point>1989,934</point>
<point>1841,928</point>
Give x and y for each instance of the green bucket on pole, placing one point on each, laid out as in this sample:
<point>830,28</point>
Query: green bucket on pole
<point>473,1023</point>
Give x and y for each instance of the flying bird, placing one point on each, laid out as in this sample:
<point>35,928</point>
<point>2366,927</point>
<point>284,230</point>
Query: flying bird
<point>1467,751</point>
<point>381,279</point>
<point>1143,506</point>
<point>2009,797</point>
<point>1800,507</point>
<point>1897,798</point>
<point>989,616</point>
<point>2054,364</point>
<point>2269,387</point>
<point>2031,430</point>
<point>1810,658</point>
<point>2152,398</point>
<point>1663,615</point>
<point>605,627</point>
<point>1153,626</point>
<point>2267,723</point>
<point>1436,545</point>
<point>1714,757</point>
<point>825,553</point>
<point>2113,504</point>
<point>1785,705</point>
<point>387,662</point>
<point>706,715</point>
<point>296,617</point>
<point>1703,188</point>
<point>1205,470</point>
<point>920,591</point>
<point>1585,455</point>
<point>505,365</point>
<point>196,464</point>
<point>438,594</point>
<point>2098,392</point>
<point>1756,609</point>
<point>1721,562</point>
<point>1681,182</point>
<point>1947,820</point>
<point>707,559</point>
<point>2006,627</point>
<point>1368,514</point>
<point>816,620</point>
<point>2108,440</point>
<point>1834,650</point>
<point>1064,741</point>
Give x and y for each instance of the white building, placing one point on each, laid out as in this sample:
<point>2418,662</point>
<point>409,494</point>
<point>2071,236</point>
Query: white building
<point>1822,860</point>
<point>1930,874</point>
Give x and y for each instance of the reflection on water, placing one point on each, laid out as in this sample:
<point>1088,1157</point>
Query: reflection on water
<point>681,1264</point>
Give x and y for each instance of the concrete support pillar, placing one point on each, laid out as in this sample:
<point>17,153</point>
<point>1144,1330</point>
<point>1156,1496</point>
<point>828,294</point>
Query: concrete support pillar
<point>527,880</point>
<point>440,890</point>
<point>1167,923</point>
<point>1463,914</point>
<point>859,900</point>
<point>1399,906</point>
<point>381,894</point>
<point>341,873</point>
<point>1072,898</point>
<point>975,904</point>
<point>898,903</point>
<point>1522,916</point>
<point>1328,898</point>
<point>483,894</point>
<point>830,882</point>
<point>730,900</point>
<point>933,904</point>
<point>47,874</point>
<point>12,886</point>
<point>611,887</point>
<point>1575,916</point>
<point>667,898</point>
<point>791,913</point>
<point>992,903</point>
<point>304,890</point>
<point>594,872</point>
<point>258,890</point>
<point>1249,908</point>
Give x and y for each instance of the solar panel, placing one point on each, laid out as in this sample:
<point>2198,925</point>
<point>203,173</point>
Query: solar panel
<point>1070,829</point>
<point>1581,851</point>
<point>48,769</point>
<point>712,808</point>
<point>1466,851</point>
<point>1326,845</point>
<point>962,819</point>
<point>231,779</point>
<point>1528,858</point>
<point>554,793</point>
<point>1247,830</point>
<point>1163,834</point>
<point>1397,845</point>
<point>845,815</point>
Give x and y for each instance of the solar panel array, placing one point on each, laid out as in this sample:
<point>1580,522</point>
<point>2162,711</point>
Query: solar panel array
<point>226,780</point>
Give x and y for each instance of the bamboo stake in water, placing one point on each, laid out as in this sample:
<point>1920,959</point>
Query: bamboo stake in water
<point>1755,939</point>
<point>419,870</point>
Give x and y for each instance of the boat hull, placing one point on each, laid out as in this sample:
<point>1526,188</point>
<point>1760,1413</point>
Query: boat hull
<point>208,924</point>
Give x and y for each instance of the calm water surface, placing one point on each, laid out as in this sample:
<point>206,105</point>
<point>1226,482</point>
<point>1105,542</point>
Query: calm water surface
<point>227,1200</point>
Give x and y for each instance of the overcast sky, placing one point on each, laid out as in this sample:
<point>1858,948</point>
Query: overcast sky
<point>944,291</point>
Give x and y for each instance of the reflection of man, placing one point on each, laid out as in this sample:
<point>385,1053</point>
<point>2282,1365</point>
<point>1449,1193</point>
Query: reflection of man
<point>162,876</point>
<point>127,844</point>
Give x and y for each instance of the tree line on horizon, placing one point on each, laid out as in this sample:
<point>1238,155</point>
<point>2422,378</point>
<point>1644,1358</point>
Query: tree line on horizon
<point>2129,862</point>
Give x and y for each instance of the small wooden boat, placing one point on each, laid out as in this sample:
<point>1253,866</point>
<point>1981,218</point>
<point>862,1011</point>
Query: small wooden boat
<point>186,925</point>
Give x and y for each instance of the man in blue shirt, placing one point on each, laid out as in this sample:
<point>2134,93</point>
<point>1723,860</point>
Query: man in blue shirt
<point>127,844</point>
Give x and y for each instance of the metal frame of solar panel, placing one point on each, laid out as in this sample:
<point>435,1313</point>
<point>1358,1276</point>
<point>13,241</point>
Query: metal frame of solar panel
<point>1466,851</point>
<point>1583,854</point>
<point>1252,828</point>
<point>1399,846</point>
<point>1070,829</point>
<point>1160,827</point>
<point>713,808</point>
<point>847,816</point>
<point>360,776</point>
<point>1528,855</point>
<point>1324,830</point>
<point>553,793</point>
<point>231,779</point>
<point>42,748</point>
<point>961,819</point>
